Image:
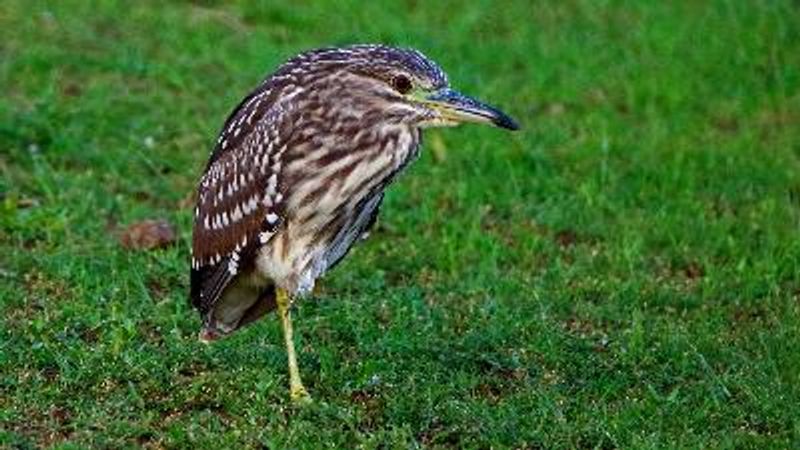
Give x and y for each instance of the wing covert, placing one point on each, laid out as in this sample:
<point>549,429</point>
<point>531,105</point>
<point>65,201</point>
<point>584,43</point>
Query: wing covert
<point>239,204</point>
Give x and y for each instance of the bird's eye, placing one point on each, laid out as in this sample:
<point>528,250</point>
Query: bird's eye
<point>401,83</point>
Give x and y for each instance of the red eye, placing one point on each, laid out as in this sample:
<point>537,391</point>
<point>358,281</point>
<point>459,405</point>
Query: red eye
<point>401,83</point>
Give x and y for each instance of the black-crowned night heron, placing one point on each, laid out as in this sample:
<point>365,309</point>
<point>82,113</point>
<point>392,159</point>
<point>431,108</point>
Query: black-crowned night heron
<point>298,173</point>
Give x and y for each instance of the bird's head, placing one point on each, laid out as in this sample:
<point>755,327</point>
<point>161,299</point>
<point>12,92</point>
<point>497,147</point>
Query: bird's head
<point>394,85</point>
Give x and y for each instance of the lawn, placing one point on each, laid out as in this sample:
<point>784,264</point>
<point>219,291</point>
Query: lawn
<point>623,272</point>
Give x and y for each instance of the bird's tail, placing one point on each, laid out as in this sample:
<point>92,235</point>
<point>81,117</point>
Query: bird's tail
<point>228,317</point>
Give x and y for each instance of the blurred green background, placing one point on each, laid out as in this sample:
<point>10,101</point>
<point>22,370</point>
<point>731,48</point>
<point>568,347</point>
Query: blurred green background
<point>623,272</point>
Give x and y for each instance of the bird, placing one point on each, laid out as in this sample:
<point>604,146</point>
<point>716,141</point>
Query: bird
<point>298,173</point>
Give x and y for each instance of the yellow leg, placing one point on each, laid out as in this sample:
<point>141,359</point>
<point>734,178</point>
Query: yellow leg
<point>296,389</point>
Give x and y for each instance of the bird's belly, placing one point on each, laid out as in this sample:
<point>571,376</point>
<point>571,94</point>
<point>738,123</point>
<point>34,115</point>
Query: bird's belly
<point>304,250</point>
<point>323,224</point>
<point>352,229</point>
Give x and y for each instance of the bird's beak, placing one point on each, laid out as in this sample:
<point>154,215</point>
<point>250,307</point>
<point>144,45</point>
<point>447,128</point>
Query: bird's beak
<point>456,108</point>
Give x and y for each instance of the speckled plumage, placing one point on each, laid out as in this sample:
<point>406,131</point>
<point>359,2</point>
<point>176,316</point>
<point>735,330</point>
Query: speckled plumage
<point>299,170</point>
<point>292,182</point>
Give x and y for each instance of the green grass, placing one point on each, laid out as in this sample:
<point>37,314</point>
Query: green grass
<point>622,273</point>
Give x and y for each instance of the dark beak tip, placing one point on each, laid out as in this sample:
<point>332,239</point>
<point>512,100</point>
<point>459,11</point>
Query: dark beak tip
<point>506,122</point>
<point>466,104</point>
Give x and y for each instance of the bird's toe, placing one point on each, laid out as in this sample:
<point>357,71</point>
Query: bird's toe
<point>300,396</point>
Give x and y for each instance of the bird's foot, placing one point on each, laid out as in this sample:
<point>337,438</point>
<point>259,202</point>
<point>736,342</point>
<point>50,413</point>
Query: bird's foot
<point>299,395</point>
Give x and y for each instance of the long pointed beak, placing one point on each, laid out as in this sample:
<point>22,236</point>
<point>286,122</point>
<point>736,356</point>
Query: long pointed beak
<point>457,107</point>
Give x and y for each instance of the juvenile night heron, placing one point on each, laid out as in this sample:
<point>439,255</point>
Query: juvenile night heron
<point>298,173</point>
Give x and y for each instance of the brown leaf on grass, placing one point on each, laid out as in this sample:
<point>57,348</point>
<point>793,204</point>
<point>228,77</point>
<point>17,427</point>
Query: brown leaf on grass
<point>71,89</point>
<point>566,238</point>
<point>61,415</point>
<point>694,270</point>
<point>148,235</point>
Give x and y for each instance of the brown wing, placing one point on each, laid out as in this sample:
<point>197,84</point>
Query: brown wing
<point>239,203</point>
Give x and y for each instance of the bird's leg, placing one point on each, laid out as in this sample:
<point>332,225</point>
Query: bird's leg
<point>296,389</point>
